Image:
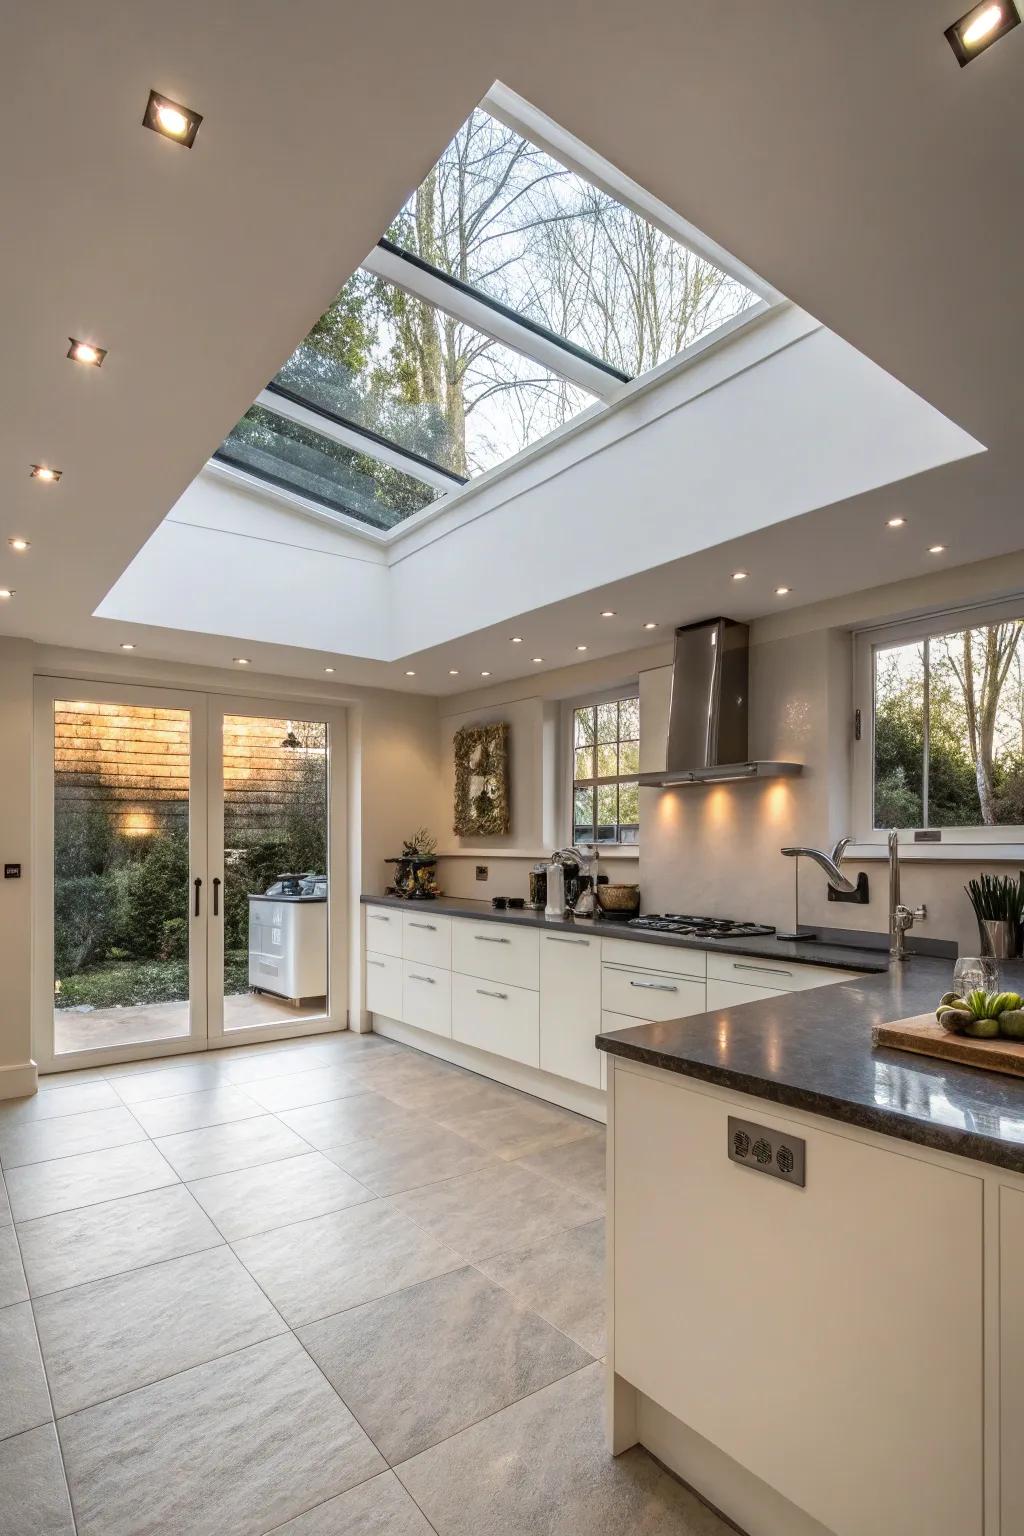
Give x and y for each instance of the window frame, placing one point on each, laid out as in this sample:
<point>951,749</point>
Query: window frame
<point>880,637</point>
<point>591,700</point>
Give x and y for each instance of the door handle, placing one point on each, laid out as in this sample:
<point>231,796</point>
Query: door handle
<point>765,970</point>
<point>655,986</point>
<point>485,938</point>
<point>413,977</point>
<point>430,927</point>
<point>483,992</point>
<point>216,896</point>
<point>197,882</point>
<point>553,938</point>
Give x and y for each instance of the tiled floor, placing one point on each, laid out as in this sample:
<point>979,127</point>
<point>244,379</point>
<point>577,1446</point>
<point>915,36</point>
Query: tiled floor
<point>331,1287</point>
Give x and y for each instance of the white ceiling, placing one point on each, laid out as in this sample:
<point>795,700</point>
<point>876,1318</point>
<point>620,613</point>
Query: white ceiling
<point>839,151</point>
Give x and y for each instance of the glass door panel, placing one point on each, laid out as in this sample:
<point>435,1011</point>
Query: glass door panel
<point>123,896</point>
<point>275,847</point>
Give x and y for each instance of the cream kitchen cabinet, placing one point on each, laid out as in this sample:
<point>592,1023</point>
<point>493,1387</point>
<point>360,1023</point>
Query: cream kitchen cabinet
<point>496,1017</point>
<point>1011,1357</point>
<point>497,951</point>
<point>646,995</point>
<point>427,997</point>
<point>780,975</point>
<point>427,937</point>
<point>384,985</point>
<point>383,931</point>
<point>730,994</point>
<point>570,1006</point>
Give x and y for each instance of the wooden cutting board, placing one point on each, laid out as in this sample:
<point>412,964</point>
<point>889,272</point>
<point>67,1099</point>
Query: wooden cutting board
<point>925,1036</point>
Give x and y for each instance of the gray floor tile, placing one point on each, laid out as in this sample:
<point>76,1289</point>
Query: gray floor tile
<point>258,1199</point>
<point>453,1093</point>
<point>563,1280</point>
<point>261,1433</point>
<point>38,1141</point>
<point>315,1268</point>
<point>49,1103</point>
<point>497,1209</point>
<point>107,1338</point>
<point>33,1494</point>
<point>6,1219</point>
<point>542,1467</point>
<point>24,1401</point>
<point>191,1111</point>
<point>518,1129</point>
<point>75,1247</point>
<point>13,1286</point>
<point>343,1120</point>
<point>580,1164</point>
<point>225,1148</point>
<point>426,1362</point>
<point>88,1179</point>
<point>269,1065</point>
<point>380,1507</point>
<point>407,1159</point>
<point>168,1081</point>
<point>320,1085</point>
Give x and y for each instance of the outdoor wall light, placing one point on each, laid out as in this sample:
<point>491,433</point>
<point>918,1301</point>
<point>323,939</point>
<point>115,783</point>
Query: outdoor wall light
<point>85,352</point>
<point>980,27</point>
<point>172,120</point>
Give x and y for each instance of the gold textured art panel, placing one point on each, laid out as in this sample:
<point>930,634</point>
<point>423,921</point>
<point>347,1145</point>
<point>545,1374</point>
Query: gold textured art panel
<point>482,807</point>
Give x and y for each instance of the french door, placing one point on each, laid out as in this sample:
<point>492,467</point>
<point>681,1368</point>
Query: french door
<point>190,864</point>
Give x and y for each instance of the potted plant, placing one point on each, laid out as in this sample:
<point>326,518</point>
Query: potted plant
<point>998,902</point>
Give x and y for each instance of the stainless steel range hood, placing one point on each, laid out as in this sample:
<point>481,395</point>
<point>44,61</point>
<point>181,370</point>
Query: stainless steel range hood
<point>707,723</point>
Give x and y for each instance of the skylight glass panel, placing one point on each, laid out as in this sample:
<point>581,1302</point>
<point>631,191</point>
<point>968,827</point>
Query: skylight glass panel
<point>429,383</point>
<point>292,456</point>
<point>501,214</point>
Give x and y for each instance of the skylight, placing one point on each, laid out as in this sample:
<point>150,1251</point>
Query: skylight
<point>511,294</point>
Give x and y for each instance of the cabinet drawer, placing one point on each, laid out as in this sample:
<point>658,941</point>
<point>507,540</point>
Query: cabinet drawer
<point>609,1023</point>
<point>654,957</point>
<point>496,951</point>
<point>427,997</point>
<point>384,930</point>
<point>501,1019</point>
<point>730,994</point>
<point>570,1006</point>
<point>783,975</point>
<point>650,995</point>
<point>427,938</point>
<point>384,985</point>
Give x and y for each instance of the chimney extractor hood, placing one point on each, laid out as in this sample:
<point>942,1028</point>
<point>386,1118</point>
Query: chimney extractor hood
<point>707,723</point>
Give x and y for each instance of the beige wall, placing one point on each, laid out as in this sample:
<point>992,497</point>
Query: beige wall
<point>15,847</point>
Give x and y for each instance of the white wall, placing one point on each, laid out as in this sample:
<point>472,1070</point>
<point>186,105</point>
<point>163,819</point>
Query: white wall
<point>16,1074</point>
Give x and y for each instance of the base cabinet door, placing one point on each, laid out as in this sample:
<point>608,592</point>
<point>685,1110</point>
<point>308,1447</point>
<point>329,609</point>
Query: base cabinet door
<point>384,985</point>
<point>383,930</point>
<point>829,1338</point>
<point>496,1017</point>
<point>647,995</point>
<point>427,997</point>
<point>1011,1358</point>
<point>570,1006</point>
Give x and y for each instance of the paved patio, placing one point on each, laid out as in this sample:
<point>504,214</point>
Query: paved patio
<point>84,1029</point>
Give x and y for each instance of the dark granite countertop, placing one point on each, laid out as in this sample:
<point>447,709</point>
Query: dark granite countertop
<point>815,952</point>
<point>812,1050</point>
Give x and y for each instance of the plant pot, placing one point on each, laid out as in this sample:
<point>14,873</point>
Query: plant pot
<point>1000,938</point>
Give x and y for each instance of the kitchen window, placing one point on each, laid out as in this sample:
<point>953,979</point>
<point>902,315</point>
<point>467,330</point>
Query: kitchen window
<point>940,704</point>
<point>604,747</point>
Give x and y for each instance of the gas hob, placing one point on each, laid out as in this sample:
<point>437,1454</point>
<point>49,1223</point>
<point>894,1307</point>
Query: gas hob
<point>693,927</point>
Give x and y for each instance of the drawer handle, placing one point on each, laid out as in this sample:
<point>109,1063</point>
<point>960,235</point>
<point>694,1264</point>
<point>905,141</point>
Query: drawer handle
<point>485,938</point>
<point>483,992</point>
<point>380,917</point>
<point>430,927</point>
<point>376,962</point>
<point>655,986</point>
<point>768,970</point>
<point>553,938</point>
<point>414,977</point>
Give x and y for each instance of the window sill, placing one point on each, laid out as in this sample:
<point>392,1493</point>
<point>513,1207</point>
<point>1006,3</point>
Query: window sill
<point>938,853</point>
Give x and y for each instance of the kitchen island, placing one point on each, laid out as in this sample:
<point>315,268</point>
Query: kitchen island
<point>839,1355</point>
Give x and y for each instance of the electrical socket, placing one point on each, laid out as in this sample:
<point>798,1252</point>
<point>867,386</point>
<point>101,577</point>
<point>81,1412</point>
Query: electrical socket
<point>763,1150</point>
<point>481,871</point>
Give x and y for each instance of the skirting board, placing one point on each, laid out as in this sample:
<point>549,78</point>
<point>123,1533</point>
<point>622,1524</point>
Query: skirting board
<point>750,1504</point>
<point>18,1082</point>
<point>542,1085</point>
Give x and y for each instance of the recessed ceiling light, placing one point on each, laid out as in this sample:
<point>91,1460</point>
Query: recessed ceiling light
<point>936,549</point>
<point>410,673</point>
<point>739,575</point>
<point>650,624</point>
<point>241,661</point>
<point>980,27</point>
<point>45,473</point>
<point>538,658</point>
<point>485,674</point>
<point>6,592</point>
<point>171,119</point>
<point>896,522</point>
<point>608,613</point>
<point>85,352</point>
<point>581,647</point>
<point>328,669</point>
<point>453,671</point>
<point>516,639</point>
<point>782,591</point>
<point>127,645</point>
<point>18,543</point>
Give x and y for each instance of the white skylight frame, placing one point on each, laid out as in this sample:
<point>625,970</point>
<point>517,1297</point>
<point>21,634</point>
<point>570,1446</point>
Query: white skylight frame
<point>610,387</point>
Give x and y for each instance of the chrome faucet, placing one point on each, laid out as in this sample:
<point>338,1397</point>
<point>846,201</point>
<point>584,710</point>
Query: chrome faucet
<point>829,863</point>
<point>900,917</point>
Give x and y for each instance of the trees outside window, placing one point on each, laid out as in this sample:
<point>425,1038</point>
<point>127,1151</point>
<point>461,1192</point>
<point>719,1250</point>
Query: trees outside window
<point>605,748</point>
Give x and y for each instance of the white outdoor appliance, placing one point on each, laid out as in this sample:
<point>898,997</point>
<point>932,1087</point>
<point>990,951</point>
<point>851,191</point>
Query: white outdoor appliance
<point>288,938</point>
